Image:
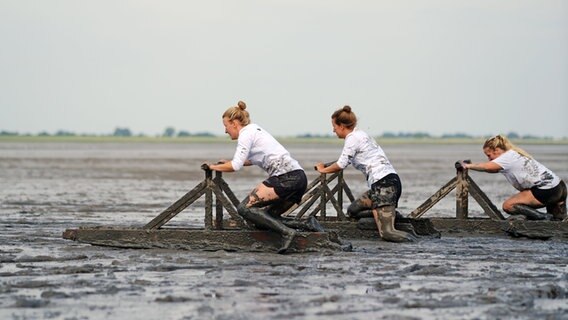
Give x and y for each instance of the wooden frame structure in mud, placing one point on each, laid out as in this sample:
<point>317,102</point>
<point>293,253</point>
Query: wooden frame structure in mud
<point>220,234</point>
<point>225,200</point>
<point>318,189</point>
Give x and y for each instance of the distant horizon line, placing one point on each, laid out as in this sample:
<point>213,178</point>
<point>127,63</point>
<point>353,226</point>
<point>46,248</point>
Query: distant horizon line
<point>172,133</point>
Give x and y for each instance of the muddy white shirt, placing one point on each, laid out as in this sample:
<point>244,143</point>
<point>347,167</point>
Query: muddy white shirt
<point>524,173</point>
<point>366,156</point>
<point>261,149</point>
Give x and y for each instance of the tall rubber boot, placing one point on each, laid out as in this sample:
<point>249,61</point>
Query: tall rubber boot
<point>558,211</point>
<point>260,218</point>
<point>529,212</point>
<point>276,209</point>
<point>384,218</point>
<point>311,224</point>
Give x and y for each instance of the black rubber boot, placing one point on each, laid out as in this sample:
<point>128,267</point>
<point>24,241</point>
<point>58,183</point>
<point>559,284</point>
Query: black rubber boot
<point>558,211</point>
<point>529,212</point>
<point>260,218</point>
<point>385,224</point>
<point>311,224</point>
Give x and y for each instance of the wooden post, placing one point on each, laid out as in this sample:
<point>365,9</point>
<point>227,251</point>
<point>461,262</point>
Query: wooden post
<point>218,205</point>
<point>208,200</point>
<point>323,196</point>
<point>462,194</point>
<point>340,183</point>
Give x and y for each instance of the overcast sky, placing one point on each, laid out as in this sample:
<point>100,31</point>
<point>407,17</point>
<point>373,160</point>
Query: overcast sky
<point>478,67</point>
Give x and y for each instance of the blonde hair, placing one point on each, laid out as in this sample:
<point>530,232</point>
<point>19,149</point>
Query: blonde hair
<point>505,144</point>
<point>345,117</point>
<point>238,113</point>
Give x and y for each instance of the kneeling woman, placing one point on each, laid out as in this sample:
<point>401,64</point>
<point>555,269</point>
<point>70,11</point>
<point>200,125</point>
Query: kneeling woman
<point>538,186</point>
<point>368,157</point>
<point>287,180</point>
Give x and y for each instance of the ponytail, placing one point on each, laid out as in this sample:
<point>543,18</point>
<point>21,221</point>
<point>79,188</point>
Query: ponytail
<point>505,144</point>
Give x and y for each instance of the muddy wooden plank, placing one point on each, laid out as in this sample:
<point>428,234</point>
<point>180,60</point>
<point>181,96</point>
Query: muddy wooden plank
<point>365,228</point>
<point>199,239</point>
<point>481,226</point>
<point>542,230</point>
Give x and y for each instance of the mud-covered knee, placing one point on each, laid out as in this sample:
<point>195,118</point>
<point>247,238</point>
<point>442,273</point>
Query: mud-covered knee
<point>353,209</point>
<point>510,209</point>
<point>242,210</point>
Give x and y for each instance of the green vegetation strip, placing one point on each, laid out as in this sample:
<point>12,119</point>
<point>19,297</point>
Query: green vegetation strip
<point>285,140</point>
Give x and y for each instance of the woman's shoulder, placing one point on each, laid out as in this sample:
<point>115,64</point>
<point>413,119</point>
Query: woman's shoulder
<point>509,156</point>
<point>357,134</point>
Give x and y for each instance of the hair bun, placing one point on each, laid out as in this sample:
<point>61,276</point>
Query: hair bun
<point>242,105</point>
<point>347,109</point>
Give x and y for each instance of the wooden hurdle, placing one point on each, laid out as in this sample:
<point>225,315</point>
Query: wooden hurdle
<point>464,186</point>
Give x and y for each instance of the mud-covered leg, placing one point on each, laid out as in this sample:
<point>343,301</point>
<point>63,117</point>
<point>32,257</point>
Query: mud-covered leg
<point>310,224</point>
<point>253,211</point>
<point>384,218</point>
<point>529,212</point>
<point>384,199</point>
<point>361,208</point>
<point>261,218</point>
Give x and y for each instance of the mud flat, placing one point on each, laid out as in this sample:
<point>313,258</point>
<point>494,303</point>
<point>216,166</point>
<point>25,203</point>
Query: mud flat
<point>46,188</point>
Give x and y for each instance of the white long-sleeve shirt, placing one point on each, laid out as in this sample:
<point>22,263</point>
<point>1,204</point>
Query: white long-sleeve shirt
<point>261,149</point>
<point>366,156</point>
<point>524,173</point>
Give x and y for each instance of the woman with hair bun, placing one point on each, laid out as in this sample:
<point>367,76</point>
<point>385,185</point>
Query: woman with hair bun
<point>367,156</point>
<point>538,186</point>
<point>286,181</point>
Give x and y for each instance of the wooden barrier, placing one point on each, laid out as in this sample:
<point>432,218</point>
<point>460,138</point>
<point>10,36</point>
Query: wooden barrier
<point>327,188</point>
<point>224,199</point>
<point>464,186</point>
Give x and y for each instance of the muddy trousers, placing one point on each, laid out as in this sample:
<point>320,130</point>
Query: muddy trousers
<point>263,219</point>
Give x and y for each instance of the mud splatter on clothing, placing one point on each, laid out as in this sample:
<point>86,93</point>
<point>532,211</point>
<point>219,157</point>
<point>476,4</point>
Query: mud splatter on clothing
<point>260,148</point>
<point>366,156</point>
<point>525,173</point>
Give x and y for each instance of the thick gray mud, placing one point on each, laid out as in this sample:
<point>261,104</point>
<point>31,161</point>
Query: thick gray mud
<point>47,188</point>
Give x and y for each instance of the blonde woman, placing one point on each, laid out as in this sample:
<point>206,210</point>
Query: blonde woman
<point>286,182</point>
<point>538,186</point>
<point>367,156</point>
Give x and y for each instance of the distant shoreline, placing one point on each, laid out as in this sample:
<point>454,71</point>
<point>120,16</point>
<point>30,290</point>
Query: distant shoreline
<point>286,140</point>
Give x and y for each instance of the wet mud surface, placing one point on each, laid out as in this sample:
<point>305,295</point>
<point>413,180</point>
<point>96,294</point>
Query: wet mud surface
<point>47,188</point>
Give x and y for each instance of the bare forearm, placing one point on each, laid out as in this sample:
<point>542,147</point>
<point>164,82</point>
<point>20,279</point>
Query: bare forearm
<point>223,167</point>
<point>321,168</point>
<point>490,167</point>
